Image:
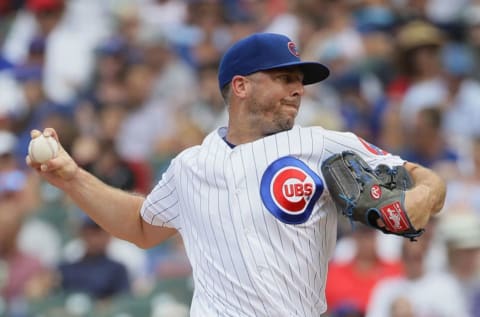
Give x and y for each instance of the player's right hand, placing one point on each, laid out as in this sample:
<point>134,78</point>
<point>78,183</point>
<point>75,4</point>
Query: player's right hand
<point>59,170</point>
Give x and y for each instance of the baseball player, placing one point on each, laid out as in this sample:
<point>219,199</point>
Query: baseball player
<point>256,214</point>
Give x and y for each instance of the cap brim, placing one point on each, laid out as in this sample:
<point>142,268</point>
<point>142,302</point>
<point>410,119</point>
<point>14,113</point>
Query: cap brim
<point>312,72</point>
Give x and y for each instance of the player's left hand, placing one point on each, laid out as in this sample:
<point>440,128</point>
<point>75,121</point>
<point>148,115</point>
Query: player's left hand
<point>375,198</point>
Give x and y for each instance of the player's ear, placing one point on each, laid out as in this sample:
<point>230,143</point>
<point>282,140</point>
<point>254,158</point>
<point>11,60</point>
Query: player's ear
<point>239,86</point>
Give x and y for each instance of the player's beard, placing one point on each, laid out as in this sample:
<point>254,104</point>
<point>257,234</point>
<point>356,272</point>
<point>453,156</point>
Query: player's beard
<point>270,117</point>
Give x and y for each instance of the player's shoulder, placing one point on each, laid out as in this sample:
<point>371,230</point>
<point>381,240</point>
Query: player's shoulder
<point>211,140</point>
<point>189,152</point>
<point>317,135</point>
<point>319,131</point>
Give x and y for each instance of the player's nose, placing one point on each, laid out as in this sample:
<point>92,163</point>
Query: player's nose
<point>298,89</point>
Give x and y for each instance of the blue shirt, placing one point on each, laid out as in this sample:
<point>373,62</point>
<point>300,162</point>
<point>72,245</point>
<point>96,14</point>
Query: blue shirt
<point>97,276</point>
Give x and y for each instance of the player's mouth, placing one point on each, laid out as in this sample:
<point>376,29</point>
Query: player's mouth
<point>295,106</point>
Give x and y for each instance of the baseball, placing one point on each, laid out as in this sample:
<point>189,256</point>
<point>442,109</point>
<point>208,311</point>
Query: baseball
<point>42,148</point>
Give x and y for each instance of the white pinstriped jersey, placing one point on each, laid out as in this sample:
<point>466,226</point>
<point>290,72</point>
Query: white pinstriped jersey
<point>257,223</point>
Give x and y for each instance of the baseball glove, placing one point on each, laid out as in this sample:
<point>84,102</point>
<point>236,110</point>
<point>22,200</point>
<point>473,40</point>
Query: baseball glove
<point>365,195</point>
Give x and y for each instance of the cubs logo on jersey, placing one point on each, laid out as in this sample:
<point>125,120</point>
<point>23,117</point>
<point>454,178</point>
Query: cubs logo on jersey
<point>289,189</point>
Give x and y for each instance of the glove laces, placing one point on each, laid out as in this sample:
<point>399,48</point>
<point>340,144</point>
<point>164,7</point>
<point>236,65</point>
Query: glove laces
<point>349,209</point>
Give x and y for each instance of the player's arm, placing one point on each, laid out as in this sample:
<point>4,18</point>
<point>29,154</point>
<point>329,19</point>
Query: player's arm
<point>427,196</point>
<point>116,211</point>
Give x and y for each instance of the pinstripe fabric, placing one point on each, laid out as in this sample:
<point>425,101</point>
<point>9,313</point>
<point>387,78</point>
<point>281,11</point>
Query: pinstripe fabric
<point>245,261</point>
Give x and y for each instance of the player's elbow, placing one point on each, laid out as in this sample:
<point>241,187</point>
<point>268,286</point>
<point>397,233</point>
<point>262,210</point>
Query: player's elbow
<point>147,244</point>
<point>441,193</point>
<point>143,245</point>
<point>434,196</point>
<point>141,241</point>
<point>136,240</point>
<point>438,192</point>
<point>436,188</point>
<point>151,235</point>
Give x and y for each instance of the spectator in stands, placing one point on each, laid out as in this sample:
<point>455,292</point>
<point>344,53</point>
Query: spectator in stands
<point>112,58</point>
<point>19,269</point>
<point>108,167</point>
<point>427,143</point>
<point>418,46</point>
<point>464,192</point>
<point>65,41</point>
<point>461,94</point>
<point>428,293</point>
<point>349,284</point>
<point>416,83</point>
<point>209,109</point>
<point>95,274</point>
<point>171,74</point>
<point>460,230</point>
<point>146,121</point>
<point>36,105</point>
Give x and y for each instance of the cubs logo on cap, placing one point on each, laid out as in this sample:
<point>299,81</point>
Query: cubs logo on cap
<point>289,189</point>
<point>293,49</point>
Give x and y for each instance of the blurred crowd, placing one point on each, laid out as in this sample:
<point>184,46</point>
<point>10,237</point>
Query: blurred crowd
<point>128,84</point>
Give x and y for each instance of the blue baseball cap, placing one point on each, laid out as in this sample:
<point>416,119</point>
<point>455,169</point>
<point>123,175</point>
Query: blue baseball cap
<point>264,51</point>
<point>27,73</point>
<point>112,46</point>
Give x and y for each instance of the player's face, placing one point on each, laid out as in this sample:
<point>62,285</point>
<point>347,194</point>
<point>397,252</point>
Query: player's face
<point>274,99</point>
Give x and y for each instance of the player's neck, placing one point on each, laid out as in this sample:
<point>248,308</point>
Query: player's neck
<point>241,129</point>
<point>237,137</point>
<point>245,126</point>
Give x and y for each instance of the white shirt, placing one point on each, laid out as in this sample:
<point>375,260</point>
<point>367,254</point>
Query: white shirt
<point>424,94</point>
<point>460,118</point>
<point>142,128</point>
<point>432,295</point>
<point>257,222</point>
<point>72,41</point>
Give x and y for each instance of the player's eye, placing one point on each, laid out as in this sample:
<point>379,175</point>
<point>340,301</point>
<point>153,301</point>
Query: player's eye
<point>290,78</point>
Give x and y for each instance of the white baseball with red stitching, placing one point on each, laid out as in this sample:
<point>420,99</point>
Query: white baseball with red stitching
<point>43,148</point>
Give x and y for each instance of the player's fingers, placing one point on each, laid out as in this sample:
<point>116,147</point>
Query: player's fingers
<point>61,166</point>
<point>54,164</point>
<point>35,133</point>
<point>32,164</point>
<point>47,167</point>
<point>380,223</point>
<point>28,160</point>
<point>50,132</point>
<point>38,166</point>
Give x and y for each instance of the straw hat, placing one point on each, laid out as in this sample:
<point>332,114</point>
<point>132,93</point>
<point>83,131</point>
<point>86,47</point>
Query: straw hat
<point>417,34</point>
<point>460,230</point>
